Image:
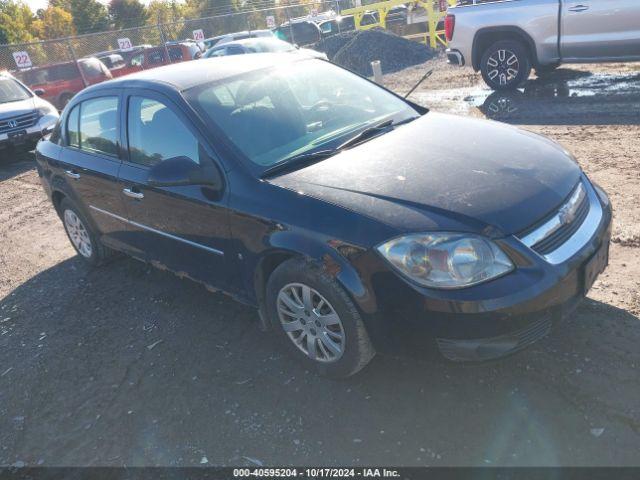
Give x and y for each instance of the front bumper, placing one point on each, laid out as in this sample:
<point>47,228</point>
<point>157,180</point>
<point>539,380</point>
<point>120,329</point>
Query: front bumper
<point>489,320</point>
<point>30,135</point>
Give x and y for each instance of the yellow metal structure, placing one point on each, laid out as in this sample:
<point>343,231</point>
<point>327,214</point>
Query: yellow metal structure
<point>432,36</point>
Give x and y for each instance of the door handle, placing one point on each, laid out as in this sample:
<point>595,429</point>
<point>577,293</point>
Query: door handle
<point>579,8</point>
<point>72,174</point>
<point>130,193</point>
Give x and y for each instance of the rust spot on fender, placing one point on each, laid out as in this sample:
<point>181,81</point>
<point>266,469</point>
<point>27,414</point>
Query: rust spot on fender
<point>330,266</point>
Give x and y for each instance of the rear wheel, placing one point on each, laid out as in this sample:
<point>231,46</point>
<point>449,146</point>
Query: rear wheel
<point>316,321</point>
<point>83,238</point>
<point>505,65</point>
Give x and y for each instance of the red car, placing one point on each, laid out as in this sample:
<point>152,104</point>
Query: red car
<point>60,82</point>
<point>117,64</point>
<point>157,56</point>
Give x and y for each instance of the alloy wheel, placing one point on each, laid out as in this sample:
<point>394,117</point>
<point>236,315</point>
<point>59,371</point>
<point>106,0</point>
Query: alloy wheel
<point>78,233</point>
<point>503,66</point>
<point>311,322</point>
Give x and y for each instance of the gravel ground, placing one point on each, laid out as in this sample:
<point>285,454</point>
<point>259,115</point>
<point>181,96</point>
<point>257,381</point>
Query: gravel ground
<point>128,365</point>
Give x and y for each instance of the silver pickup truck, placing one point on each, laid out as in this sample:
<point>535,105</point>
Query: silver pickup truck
<point>506,39</point>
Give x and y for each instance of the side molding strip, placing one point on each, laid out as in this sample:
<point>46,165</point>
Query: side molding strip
<point>153,230</point>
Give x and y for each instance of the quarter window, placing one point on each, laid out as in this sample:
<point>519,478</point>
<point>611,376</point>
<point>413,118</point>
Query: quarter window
<point>98,125</point>
<point>157,134</point>
<point>73,132</point>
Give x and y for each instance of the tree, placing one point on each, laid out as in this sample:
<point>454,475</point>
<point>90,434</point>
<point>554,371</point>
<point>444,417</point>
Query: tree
<point>88,15</point>
<point>127,13</point>
<point>55,23</point>
<point>16,20</point>
<point>163,11</point>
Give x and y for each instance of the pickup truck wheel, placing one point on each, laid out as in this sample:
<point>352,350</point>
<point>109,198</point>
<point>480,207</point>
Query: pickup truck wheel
<point>315,320</point>
<point>505,65</point>
<point>83,238</point>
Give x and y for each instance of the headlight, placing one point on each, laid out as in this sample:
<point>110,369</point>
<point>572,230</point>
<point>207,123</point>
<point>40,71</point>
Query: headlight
<point>446,260</point>
<point>46,110</point>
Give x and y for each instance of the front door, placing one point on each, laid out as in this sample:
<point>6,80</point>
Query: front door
<point>90,163</point>
<point>183,228</point>
<point>600,30</point>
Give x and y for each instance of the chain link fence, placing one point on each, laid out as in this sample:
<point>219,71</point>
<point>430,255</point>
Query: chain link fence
<point>57,69</point>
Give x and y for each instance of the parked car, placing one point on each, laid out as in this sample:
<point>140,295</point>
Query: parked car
<point>345,23</point>
<point>232,37</point>
<point>157,56</point>
<point>340,210</point>
<point>260,45</point>
<point>117,64</point>
<point>505,40</point>
<point>23,115</point>
<point>60,82</point>
<point>300,32</point>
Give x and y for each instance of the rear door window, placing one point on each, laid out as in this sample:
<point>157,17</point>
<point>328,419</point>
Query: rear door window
<point>98,126</point>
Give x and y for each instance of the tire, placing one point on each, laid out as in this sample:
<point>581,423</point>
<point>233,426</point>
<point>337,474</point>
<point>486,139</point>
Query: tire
<point>82,235</point>
<point>340,349</point>
<point>505,65</point>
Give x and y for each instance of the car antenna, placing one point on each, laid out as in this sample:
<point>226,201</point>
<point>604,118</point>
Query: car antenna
<point>424,77</point>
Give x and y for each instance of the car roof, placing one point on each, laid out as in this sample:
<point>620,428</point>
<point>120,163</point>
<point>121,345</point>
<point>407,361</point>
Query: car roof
<point>254,40</point>
<point>184,75</point>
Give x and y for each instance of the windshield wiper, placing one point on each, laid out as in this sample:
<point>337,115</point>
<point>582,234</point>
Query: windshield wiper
<point>298,161</point>
<point>372,132</point>
<point>304,159</point>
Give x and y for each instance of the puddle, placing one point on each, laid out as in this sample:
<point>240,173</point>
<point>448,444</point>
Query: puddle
<point>565,97</point>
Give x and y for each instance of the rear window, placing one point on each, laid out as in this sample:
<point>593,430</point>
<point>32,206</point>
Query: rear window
<point>92,68</point>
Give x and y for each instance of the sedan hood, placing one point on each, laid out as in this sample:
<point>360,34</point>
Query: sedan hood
<point>11,109</point>
<point>446,172</point>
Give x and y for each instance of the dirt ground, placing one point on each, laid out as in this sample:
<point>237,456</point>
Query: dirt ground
<point>128,365</point>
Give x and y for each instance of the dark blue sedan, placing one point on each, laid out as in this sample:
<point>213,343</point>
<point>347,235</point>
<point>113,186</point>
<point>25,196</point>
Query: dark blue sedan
<point>355,221</point>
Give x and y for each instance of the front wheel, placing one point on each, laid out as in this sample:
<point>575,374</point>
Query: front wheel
<point>316,321</point>
<point>505,65</point>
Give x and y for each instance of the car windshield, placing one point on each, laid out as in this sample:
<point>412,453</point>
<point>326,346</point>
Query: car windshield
<point>12,91</point>
<point>279,113</point>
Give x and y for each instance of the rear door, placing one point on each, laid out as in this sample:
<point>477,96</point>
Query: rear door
<point>600,30</point>
<point>185,228</point>
<point>90,161</point>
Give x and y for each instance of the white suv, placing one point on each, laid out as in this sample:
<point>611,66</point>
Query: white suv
<point>23,115</point>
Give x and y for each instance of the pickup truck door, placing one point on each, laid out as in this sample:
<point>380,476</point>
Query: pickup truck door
<point>600,30</point>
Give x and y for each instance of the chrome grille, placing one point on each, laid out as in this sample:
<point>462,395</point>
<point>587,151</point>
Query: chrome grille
<point>19,122</point>
<point>563,233</point>
<point>577,217</point>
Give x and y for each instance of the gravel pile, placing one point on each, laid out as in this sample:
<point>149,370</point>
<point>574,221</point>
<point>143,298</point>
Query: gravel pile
<point>332,45</point>
<point>356,51</point>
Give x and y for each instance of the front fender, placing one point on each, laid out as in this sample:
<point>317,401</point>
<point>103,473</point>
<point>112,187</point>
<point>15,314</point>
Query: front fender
<point>333,256</point>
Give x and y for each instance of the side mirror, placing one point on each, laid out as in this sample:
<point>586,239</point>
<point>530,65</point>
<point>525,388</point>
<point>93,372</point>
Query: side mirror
<point>181,171</point>
<point>39,92</point>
